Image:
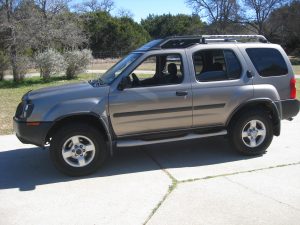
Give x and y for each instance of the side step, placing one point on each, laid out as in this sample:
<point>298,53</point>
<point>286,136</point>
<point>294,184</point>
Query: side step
<point>132,142</point>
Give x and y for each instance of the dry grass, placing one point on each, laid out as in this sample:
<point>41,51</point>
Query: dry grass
<point>298,88</point>
<point>296,69</point>
<point>105,64</point>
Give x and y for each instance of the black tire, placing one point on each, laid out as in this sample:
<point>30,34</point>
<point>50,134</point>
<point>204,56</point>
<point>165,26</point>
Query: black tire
<point>75,129</point>
<point>237,126</point>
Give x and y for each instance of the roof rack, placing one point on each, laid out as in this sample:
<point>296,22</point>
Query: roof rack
<point>187,41</point>
<point>259,38</point>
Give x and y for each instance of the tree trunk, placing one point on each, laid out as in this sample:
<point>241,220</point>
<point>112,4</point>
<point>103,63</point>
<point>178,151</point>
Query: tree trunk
<point>1,75</point>
<point>13,60</point>
<point>70,73</point>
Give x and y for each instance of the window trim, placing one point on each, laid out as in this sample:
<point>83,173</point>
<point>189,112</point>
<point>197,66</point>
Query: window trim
<point>279,75</point>
<point>222,49</point>
<point>157,54</point>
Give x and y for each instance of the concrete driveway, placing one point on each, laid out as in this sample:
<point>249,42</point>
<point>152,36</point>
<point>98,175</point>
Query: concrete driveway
<point>197,182</point>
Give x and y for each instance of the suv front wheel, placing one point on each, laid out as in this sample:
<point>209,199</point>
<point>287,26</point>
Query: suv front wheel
<point>252,132</point>
<point>78,149</point>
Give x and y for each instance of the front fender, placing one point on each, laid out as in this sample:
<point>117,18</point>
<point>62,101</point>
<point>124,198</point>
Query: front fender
<point>75,106</point>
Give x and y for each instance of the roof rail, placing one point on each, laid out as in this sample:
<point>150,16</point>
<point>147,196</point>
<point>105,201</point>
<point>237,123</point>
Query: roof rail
<point>259,38</point>
<point>186,41</point>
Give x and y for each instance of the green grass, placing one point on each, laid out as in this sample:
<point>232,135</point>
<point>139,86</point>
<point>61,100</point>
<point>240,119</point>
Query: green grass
<point>11,94</point>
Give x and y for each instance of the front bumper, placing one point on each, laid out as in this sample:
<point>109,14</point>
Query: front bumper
<point>290,108</point>
<point>29,133</point>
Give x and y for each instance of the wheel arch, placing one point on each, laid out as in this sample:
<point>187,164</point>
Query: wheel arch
<point>265,104</point>
<point>89,118</point>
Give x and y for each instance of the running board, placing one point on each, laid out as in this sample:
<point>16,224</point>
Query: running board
<point>132,142</point>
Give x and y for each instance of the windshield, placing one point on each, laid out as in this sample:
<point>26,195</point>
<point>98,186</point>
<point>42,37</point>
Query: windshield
<point>109,76</point>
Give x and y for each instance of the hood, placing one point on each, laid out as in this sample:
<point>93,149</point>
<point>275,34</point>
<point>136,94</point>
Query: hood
<point>59,90</point>
<point>66,91</point>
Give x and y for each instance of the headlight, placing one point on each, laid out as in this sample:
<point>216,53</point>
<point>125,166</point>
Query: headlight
<point>28,108</point>
<point>19,111</point>
<point>24,110</point>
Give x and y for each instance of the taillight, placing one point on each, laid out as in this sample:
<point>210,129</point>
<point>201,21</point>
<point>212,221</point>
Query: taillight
<point>293,91</point>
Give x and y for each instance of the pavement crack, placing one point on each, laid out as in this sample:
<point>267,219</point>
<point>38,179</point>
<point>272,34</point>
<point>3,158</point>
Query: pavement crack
<point>235,173</point>
<point>174,180</point>
<point>171,188</point>
<point>259,193</point>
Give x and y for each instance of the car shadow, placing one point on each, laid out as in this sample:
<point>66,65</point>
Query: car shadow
<point>26,168</point>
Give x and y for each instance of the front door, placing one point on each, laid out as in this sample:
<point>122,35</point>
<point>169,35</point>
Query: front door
<point>157,97</point>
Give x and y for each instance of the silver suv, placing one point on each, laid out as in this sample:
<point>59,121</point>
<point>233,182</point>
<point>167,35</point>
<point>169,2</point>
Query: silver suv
<point>172,89</point>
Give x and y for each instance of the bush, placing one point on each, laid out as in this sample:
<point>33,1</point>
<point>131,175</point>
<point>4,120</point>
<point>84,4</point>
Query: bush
<point>4,64</point>
<point>77,61</point>
<point>50,62</point>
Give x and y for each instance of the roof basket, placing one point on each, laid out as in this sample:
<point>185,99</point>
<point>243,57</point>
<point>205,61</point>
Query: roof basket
<point>186,41</point>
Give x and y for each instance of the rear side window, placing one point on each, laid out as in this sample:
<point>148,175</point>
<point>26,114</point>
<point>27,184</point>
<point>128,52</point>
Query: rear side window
<point>267,61</point>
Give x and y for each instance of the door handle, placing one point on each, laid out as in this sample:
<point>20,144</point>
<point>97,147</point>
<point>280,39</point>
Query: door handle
<point>181,93</point>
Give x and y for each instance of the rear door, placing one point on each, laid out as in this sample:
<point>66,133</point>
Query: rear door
<point>270,68</point>
<point>158,97</point>
<point>220,83</point>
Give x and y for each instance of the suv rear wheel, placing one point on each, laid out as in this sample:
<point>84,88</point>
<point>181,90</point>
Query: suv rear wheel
<point>78,149</point>
<point>252,132</point>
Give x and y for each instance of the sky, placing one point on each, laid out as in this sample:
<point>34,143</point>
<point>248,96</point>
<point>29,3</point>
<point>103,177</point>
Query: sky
<point>142,8</point>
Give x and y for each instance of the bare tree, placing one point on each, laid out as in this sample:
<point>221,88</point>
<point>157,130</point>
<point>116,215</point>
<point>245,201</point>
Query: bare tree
<point>24,26</point>
<point>122,12</point>
<point>11,29</point>
<point>50,7</point>
<point>256,12</point>
<point>95,5</point>
<point>107,5</point>
<point>219,12</point>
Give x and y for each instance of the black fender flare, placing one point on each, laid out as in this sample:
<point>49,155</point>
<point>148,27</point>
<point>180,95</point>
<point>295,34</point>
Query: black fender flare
<point>102,119</point>
<point>275,108</point>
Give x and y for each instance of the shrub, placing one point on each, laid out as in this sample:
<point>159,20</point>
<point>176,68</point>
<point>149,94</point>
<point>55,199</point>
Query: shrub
<point>4,64</point>
<point>50,62</point>
<point>77,61</point>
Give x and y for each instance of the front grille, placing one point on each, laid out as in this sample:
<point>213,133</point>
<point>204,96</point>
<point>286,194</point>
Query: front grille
<point>19,110</point>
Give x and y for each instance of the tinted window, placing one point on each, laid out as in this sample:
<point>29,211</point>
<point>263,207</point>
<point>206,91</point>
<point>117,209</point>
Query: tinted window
<point>267,61</point>
<point>216,65</point>
<point>234,68</point>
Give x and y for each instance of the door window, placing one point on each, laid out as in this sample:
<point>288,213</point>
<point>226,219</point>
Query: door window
<point>216,65</point>
<point>157,70</point>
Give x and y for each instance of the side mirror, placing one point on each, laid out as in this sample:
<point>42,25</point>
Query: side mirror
<point>123,84</point>
<point>249,74</point>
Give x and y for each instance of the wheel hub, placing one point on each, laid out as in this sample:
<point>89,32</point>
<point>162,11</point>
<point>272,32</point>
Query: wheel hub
<point>254,133</point>
<point>78,151</point>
